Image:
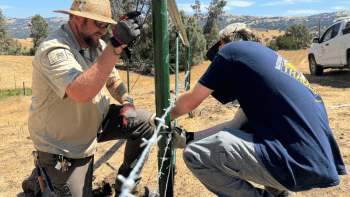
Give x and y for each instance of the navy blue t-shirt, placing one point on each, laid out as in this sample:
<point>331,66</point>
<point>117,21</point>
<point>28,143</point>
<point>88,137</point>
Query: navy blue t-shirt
<point>293,137</point>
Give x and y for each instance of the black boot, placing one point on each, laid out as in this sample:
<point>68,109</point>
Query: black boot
<point>278,192</point>
<point>28,183</point>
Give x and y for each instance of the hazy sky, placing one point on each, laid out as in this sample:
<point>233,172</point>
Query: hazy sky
<point>25,8</point>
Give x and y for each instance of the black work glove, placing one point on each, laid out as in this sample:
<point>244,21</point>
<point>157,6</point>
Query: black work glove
<point>127,30</point>
<point>129,116</point>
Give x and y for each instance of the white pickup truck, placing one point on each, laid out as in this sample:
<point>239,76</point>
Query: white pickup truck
<point>332,50</point>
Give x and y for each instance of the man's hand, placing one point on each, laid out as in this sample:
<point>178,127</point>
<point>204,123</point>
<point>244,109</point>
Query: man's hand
<point>179,137</point>
<point>127,30</point>
<point>129,116</point>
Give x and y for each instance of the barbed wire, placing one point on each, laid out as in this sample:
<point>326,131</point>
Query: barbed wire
<point>129,182</point>
<point>155,191</point>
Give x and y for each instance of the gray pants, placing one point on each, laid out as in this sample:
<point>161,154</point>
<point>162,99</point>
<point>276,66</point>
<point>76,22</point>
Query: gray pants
<point>77,181</point>
<point>225,161</point>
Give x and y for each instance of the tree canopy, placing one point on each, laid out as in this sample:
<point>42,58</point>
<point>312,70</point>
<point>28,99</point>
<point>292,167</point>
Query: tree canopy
<point>300,35</point>
<point>8,45</point>
<point>143,48</point>
<point>211,27</point>
<point>39,30</point>
<point>196,9</point>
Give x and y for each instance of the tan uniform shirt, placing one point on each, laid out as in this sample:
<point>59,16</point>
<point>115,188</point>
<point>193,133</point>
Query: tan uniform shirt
<point>57,124</point>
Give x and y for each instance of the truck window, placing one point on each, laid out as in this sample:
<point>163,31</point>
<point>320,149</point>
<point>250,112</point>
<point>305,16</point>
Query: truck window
<point>327,36</point>
<point>347,25</point>
<point>335,30</point>
<point>346,30</point>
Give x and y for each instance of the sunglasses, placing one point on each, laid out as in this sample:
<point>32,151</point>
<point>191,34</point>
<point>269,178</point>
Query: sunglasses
<point>101,25</point>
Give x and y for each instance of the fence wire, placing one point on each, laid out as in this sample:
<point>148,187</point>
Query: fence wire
<point>129,182</point>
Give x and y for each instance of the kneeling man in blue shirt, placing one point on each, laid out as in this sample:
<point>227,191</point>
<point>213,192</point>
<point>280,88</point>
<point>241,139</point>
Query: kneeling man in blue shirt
<point>291,148</point>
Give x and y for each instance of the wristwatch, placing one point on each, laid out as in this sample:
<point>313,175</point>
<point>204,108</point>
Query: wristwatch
<point>128,99</point>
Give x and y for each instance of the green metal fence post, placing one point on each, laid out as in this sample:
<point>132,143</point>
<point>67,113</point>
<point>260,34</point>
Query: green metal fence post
<point>177,67</point>
<point>161,65</point>
<point>188,62</point>
<point>127,68</point>
<point>176,86</point>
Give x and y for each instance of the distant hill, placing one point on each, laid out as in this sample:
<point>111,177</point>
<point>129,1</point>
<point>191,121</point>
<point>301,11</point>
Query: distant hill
<point>18,27</point>
<point>282,23</point>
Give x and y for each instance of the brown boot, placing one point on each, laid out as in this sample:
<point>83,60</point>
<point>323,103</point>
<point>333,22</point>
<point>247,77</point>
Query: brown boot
<point>28,183</point>
<point>278,192</point>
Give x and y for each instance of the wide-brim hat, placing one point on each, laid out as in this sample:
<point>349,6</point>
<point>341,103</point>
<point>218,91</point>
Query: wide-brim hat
<point>99,10</point>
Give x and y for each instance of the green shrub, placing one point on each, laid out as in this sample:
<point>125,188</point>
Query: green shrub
<point>273,45</point>
<point>286,43</point>
<point>24,52</point>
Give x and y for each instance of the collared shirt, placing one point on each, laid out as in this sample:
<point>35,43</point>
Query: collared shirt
<point>58,124</point>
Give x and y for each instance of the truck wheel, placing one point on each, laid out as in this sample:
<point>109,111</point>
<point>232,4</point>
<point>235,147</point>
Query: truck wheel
<point>315,69</point>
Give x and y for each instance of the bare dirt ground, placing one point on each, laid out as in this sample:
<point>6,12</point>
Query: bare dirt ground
<point>15,145</point>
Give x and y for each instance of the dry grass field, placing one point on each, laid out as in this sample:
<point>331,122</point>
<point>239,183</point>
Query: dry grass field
<point>267,36</point>
<point>28,42</point>
<point>15,145</point>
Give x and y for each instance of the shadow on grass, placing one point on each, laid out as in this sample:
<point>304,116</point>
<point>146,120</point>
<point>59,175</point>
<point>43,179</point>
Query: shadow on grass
<point>335,78</point>
<point>109,154</point>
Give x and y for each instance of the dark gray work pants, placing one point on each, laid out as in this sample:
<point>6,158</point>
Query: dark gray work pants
<point>77,181</point>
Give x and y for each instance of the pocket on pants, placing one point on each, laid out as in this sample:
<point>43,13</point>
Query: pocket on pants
<point>238,173</point>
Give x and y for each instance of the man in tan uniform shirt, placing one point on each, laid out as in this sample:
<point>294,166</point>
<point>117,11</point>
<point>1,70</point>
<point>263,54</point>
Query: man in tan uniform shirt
<point>70,113</point>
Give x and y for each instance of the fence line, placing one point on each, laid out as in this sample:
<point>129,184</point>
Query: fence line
<point>161,166</point>
<point>129,183</point>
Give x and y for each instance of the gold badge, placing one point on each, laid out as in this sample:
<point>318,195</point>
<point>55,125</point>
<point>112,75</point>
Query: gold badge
<point>53,57</point>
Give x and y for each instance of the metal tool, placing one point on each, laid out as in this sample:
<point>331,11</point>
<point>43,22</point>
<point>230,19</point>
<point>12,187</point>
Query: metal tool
<point>48,181</point>
<point>40,178</point>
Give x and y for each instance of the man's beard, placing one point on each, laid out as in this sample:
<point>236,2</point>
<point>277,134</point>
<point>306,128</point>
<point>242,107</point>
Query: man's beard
<point>88,39</point>
<point>90,42</point>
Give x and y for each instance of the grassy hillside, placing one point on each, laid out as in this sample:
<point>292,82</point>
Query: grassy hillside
<point>268,35</point>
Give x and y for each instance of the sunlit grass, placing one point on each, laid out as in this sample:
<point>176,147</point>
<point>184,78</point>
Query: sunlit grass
<point>15,92</point>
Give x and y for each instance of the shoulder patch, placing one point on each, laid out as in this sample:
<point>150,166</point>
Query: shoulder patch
<point>57,55</point>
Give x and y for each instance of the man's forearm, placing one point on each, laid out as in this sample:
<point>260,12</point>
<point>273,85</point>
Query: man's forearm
<point>87,85</point>
<point>118,91</point>
<point>183,106</point>
<point>190,100</point>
